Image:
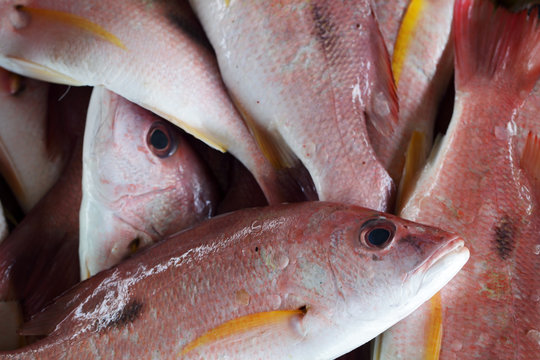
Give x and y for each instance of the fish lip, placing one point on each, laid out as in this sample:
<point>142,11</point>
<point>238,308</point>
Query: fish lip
<point>454,245</point>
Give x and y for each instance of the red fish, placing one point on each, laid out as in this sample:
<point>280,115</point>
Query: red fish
<point>483,183</point>
<point>316,278</point>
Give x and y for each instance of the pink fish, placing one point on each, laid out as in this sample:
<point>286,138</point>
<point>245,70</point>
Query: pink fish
<point>483,183</point>
<point>300,281</point>
<point>152,53</point>
<point>310,79</point>
<point>141,182</point>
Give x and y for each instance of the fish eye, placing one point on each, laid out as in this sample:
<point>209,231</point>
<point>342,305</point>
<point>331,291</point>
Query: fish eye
<point>160,141</point>
<point>377,233</point>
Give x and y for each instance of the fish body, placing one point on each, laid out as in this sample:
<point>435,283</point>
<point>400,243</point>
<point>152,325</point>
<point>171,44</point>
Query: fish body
<point>29,170</point>
<point>303,276</point>
<point>310,78</point>
<point>151,53</point>
<point>422,65</point>
<point>483,184</point>
<point>142,181</point>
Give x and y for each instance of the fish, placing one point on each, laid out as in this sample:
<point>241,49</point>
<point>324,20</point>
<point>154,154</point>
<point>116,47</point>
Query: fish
<point>141,182</point>
<point>30,171</point>
<point>317,278</point>
<point>482,182</point>
<point>153,54</point>
<point>389,15</point>
<point>38,259</point>
<point>310,78</point>
<point>422,66</point>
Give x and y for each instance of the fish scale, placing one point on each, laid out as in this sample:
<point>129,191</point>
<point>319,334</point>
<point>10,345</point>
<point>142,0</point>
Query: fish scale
<point>310,78</point>
<point>298,275</point>
<point>483,183</point>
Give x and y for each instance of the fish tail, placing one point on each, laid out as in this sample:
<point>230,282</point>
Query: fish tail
<point>495,44</point>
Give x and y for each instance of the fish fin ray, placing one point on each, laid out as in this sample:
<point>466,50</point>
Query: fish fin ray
<point>277,152</point>
<point>404,36</point>
<point>248,323</point>
<point>414,161</point>
<point>39,71</point>
<point>530,161</point>
<point>383,121</point>
<point>434,328</point>
<point>493,43</point>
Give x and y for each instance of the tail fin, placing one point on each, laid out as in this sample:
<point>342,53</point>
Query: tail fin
<point>493,43</point>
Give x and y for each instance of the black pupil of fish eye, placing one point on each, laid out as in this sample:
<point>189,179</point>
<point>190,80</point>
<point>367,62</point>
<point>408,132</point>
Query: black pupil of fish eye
<point>159,139</point>
<point>378,236</point>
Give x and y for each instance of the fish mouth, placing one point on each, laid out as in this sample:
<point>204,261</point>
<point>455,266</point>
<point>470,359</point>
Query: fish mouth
<point>437,270</point>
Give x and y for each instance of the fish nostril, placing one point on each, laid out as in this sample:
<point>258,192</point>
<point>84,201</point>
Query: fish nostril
<point>134,245</point>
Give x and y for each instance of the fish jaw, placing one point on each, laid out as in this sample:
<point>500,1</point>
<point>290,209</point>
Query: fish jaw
<point>105,238</point>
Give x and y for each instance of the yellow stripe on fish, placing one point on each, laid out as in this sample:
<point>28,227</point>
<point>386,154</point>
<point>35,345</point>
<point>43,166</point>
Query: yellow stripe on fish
<point>434,328</point>
<point>405,34</point>
<point>243,324</point>
<point>74,20</point>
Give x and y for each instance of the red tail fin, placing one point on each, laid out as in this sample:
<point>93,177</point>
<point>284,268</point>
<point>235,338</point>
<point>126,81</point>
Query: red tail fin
<point>493,43</point>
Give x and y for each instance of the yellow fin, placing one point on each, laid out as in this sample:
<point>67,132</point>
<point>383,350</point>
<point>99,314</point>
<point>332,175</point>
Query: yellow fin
<point>414,161</point>
<point>405,34</point>
<point>73,20</point>
<point>434,328</point>
<point>243,324</point>
<point>206,138</point>
<point>227,3</point>
<point>38,71</point>
<point>276,152</point>
<point>530,161</point>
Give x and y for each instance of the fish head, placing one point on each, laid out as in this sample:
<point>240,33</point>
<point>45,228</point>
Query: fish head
<point>141,182</point>
<point>382,268</point>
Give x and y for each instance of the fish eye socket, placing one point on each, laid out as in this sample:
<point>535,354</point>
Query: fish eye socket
<point>377,233</point>
<point>160,141</point>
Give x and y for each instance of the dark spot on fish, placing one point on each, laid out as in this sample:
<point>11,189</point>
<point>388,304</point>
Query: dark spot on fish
<point>191,29</point>
<point>324,27</point>
<point>303,309</point>
<point>505,231</point>
<point>256,248</point>
<point>127,315</point>
<point>375,258</point>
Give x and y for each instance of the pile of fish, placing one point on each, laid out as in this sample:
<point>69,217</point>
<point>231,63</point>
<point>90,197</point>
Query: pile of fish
<point>214,179</point>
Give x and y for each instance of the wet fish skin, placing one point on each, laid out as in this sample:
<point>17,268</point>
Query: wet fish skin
<point>133,193</point>
<point>304,257</point>
<point>482,184</point>
<point>422,65</point>
<point>152,53</point>
<point>309,78</point>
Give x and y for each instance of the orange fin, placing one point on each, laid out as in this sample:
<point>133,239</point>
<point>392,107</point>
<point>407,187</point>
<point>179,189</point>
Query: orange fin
<point>404,36</point>
<point>414,162</point>
<point>245,324</point>
<point>530,161</point>
<point>434,328</point>
<point>493,43</point>
<point>75,21</point>
<point>272,145</point>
